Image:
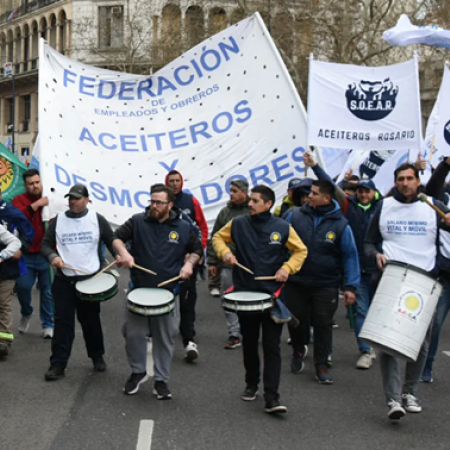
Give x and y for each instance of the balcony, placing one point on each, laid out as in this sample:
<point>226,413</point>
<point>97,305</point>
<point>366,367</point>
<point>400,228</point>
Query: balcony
<point>31,6</point>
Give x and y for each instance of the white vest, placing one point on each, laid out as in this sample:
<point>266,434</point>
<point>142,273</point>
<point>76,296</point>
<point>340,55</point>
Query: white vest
<point>77,242</point>
<point>409,233</point>
<point>444,236</point>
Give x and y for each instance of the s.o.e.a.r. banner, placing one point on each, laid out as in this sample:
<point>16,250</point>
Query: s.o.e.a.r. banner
<point>226,109</point>
<point>364,108</point>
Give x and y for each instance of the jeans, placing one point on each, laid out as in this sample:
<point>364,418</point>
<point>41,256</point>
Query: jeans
<point>271,334</point>
<point>226,277</point>
<point>442,310</point>
<point>315,305</point>
<point>37,266</point>
<point>364,296</point>
<point>188,299</point>
<point>88,314</point>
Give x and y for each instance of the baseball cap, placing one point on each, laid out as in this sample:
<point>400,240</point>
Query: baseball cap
<point>294,182</point>
<point>305,185</point>
<point>367,184</point>
<point>77,191</point>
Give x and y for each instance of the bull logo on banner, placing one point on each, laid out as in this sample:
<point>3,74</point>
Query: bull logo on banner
<point>371,100</point>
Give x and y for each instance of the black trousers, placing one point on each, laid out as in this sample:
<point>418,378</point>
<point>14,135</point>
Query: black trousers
<point>88,314</point>
<point>188,299</point>
<point>251,324</point>
<point>315,306</point>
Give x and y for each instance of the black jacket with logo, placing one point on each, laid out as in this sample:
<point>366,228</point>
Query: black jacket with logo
<point>160,247</point>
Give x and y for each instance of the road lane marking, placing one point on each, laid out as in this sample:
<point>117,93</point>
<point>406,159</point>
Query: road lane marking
<point>446,353</point>
<point>145,435</point>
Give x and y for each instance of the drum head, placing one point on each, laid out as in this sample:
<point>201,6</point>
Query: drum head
<point>247,296</point>
<point>150,296</point>
<point>96,285</point>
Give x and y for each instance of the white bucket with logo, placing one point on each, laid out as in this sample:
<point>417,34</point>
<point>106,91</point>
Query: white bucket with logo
<point>401,311</point>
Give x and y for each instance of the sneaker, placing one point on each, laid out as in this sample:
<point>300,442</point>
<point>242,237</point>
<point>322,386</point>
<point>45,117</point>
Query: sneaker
<point>323,376</point>
<point>250,393</point>
<point>411,404</point>
<point>191,351</point>
<point>233,342</point>
<point>274,407</point>
<point>99,364</point>
<point>55,372</point>
<point>214,292</point>
<point>426,376</point>
<point>47,333</point>
<point>132,385</point>
<point>396,410</point>
<point>364,361</point>
<point>24,324</point>
<point>4,349</point>
<point>297,364</point>
<point>161,390</point>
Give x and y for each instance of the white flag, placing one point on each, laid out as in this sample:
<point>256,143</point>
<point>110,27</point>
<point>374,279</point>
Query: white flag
<point>226,109</point>
<point>405,33</point>
<point>364,108</point>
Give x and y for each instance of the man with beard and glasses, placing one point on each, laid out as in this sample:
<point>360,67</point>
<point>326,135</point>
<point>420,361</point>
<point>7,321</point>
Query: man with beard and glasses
<point>160,241</point>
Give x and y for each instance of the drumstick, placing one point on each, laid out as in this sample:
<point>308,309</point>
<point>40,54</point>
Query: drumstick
<point>424,198</point>
<point>105,269</point>
<point>273,277</point>
<point>144,269</point>
<point>244,268</point>
<point>76,270</point>
<point>169,281</point>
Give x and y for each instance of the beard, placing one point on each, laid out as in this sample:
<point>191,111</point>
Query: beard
<point>158,214</point>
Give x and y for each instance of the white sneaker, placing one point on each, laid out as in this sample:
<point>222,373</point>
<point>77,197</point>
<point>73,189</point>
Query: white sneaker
<point>411,404</point>
<point>191,351</point>
<point>364,361</point>
<point>24,324</point>
<point>47,333</point>
<point>396,410</point>
<point>215,292</point>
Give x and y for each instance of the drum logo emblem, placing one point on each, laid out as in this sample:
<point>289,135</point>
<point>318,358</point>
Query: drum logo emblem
<point>173,237</point>
<point>275,238</point>
<point>330,237</point>
<point>410,305</point>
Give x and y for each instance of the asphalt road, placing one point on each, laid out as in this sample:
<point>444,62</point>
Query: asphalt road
<point>88,410</point>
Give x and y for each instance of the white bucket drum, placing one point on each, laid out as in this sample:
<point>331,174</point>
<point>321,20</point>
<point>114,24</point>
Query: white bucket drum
<point>247,302</point>
<point>401,311</point>
<point>98,288</point>
<point>150,302</point>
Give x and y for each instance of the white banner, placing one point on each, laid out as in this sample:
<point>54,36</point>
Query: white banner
<point>364,108</point>
<point>405,33</point>
<point>226,109</point>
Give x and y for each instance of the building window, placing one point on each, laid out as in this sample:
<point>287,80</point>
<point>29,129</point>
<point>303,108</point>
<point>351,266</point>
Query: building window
<point>110,26</point>
<point>25,113</point>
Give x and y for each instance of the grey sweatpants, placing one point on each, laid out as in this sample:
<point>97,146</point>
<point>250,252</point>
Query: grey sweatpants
<point>162,329</point>
<point>226,281</point>
<point>391,373</point>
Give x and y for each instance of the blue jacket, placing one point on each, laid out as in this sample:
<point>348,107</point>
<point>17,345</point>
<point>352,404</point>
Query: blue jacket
<point>332,254</point>
<point>16,223</point>
<point>359,218</point>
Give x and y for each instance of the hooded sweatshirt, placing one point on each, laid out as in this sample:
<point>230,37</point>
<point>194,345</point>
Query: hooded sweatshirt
<point>189,205</point>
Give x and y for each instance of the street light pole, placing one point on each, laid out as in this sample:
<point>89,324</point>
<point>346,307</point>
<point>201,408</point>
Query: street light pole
<point>13,111</point>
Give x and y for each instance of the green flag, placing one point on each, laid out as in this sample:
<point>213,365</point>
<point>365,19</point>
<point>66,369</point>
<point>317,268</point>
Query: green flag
<point>11,170</point>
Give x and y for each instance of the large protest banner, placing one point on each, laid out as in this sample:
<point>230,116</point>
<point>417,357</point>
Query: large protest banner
<point>364,108</point>
<point>226,109</point>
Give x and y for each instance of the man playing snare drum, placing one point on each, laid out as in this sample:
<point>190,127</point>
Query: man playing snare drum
<point>77,235</point>
<point>407,245</point>
<point>160,241</point>
<point>262,242</point>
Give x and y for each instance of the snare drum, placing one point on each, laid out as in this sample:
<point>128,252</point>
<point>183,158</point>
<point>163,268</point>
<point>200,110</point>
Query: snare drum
<point>97,289</point>
<point>150,302</point>
<point>247,302</point>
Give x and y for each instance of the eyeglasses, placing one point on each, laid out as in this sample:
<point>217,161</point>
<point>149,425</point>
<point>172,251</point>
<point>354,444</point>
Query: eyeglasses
<point>158,203</point>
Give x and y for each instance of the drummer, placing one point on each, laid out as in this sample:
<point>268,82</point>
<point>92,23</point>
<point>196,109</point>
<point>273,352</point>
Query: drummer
<point>160,242</point>
<point>261,244</point>
<point>410,247</point>
<point>77,235</point>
